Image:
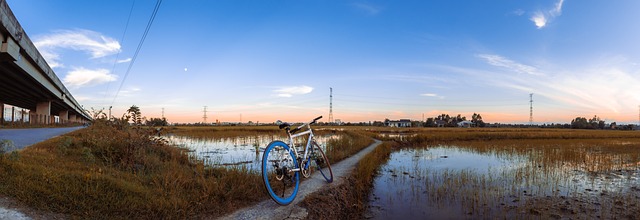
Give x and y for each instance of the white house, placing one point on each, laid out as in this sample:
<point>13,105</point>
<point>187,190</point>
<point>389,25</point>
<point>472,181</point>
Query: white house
<point>402,123</point>
<point>465,124</point>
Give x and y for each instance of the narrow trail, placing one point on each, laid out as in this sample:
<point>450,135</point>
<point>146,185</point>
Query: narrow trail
<point>268,209</point>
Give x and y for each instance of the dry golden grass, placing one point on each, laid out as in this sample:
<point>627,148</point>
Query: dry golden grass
<point>224,131</point>
<point>545,178</point>
<point>350,143</point>
<point>348,200</point>
<point>103,172</point>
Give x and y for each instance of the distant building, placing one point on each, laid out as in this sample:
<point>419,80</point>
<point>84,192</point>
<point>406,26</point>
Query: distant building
<point>465,124</point>
<point>402,123</point>
<point>440,123</point>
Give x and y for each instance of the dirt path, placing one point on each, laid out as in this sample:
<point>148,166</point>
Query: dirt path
<point>268,209</point>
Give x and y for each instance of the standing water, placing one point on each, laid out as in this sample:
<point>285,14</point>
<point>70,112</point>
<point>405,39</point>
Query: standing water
<point>453,182</point>
<point>235,151</point>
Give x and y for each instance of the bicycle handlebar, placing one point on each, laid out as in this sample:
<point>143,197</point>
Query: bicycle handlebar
<point>287,125</point>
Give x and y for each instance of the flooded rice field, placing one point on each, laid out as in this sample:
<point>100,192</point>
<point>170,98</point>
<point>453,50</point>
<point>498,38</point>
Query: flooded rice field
<point>243,151</point>
<point>510,179</point>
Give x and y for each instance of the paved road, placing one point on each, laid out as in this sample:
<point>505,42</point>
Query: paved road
<point>25,137</point>
<point>268,209</point>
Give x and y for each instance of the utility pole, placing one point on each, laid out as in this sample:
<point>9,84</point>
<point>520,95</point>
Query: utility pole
<point>109,118</point>
<point>530,109</point>
<point>162,112</point>
<point>204,117</point>
<point>330,105</point>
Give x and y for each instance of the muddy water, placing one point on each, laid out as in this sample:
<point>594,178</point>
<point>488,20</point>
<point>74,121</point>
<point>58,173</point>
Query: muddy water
<point>454,182</point>
<point>243,151</point>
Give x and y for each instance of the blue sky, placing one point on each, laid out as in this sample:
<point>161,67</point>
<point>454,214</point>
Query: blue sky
<point>268,60</point>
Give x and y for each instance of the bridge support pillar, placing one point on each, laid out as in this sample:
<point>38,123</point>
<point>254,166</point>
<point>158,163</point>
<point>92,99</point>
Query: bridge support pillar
<point>64,117</point>
<point>1,113</point>
<point>43,109</point>
<point>72,118</point>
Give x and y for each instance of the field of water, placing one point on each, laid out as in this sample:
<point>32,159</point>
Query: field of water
<point>507,179</point>
<point>238,151</point>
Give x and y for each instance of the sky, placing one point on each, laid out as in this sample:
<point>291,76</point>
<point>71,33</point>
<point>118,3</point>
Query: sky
<point>260,61</point>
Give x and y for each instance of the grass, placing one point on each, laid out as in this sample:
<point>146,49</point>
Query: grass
<point>116,171</point>
<point>555,173</point>
<point>349,200</point>
<point>350,143</point>
<point>224,131</point>
<point>104,172</point>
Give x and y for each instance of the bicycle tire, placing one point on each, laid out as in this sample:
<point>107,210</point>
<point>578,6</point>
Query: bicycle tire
<point>325,161</point>
<point>278,154</point>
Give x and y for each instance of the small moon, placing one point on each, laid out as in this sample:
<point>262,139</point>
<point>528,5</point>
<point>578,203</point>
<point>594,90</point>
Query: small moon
<point>185,69</point>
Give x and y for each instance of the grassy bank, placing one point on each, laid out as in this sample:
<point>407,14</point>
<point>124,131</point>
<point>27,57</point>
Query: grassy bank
<point>348,200</point>
<point>108,172</point>
<point>555,173</point>
<point>350,143</point>
<point>224,131</point>
<point>444,135</point>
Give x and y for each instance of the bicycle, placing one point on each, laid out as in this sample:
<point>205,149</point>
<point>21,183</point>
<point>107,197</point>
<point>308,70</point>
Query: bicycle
<point>280,163</point>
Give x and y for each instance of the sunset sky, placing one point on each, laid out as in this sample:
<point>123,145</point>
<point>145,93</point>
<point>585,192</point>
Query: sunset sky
<point>254,60</point>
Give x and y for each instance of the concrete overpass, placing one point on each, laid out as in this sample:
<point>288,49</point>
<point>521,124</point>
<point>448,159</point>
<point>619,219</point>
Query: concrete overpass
<point>27,81</point>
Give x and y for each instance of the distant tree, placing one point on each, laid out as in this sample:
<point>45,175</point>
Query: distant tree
<point>476,119</point>
<point>157,122</point>
<point>584,123</point>
<point>579,123</point>
<point>135,115</point>
<point>430,122</point>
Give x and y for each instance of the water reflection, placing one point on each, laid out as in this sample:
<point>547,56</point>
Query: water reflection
<point>236,151</point>
<point>454,182</point>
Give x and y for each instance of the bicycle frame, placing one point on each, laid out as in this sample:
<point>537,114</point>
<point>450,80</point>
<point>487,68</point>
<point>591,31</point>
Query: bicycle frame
<point>293,146</point>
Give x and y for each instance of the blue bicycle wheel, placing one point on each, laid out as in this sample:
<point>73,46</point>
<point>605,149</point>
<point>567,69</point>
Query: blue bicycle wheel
<point>281,183</point>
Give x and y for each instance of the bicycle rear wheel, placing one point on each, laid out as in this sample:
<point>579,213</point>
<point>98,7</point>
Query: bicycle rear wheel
<point>322,161</point>
<point>281,183</point>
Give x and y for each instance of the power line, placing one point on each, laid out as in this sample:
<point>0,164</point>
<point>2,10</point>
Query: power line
<point>115,61</point>
<point>135,55</point>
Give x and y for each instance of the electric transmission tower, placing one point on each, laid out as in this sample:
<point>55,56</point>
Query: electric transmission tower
<point>204,117</point>
<point>531,109</point>
<point>330,105</point>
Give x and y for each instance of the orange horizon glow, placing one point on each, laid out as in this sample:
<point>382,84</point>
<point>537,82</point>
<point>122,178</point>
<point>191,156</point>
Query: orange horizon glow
<point>488,117</point>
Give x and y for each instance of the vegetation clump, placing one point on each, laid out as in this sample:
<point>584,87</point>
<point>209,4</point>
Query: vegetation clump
<point>116,170</point>
<point>349,199</point>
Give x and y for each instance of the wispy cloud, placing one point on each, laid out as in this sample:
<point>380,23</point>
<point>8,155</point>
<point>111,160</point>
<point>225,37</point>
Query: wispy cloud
<point>124,60</point>
<point>576,88</point>
<point>129,91</point>
<point>517,12</point>
<point>540,18</point>
<point>499,61</point>
<point>368,8</point>
<point>292,90</point>
<point>81,77</point>
<point>429,95</point>
<point>95,44</point>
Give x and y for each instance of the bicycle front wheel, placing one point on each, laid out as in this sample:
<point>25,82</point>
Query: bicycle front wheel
<point>322,161</point>
<point>280,181</point>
